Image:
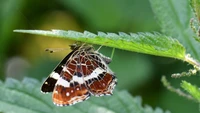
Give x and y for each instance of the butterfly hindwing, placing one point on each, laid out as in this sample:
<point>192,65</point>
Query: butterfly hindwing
<point>101,81</point>
<point>69,92</point>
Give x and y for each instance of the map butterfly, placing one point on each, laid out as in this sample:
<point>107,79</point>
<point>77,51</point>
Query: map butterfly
<point>82,73</point>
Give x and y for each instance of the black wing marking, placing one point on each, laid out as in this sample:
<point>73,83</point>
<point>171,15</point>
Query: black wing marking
<point>50,82</point>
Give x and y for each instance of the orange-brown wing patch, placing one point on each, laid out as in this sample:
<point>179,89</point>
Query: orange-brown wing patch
<point>64,96</point>
<point>102,85</point>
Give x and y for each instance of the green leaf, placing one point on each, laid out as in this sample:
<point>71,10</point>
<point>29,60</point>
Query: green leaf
<point>174,18</point>
<point>192,90</point>
<point>149,43</point>
<point>25,97</point>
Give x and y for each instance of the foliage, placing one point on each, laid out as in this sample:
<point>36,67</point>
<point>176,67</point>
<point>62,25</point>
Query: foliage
<point>150,43</point>
<point>192,90</point>
<point>155,44</point>
<point>177,41</point>
<point>174,17</point>
<point>23,97</point>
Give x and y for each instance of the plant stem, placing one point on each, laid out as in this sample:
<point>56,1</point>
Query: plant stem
<point>192,61</point>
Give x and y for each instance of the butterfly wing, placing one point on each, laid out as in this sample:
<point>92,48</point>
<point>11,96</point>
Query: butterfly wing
<point>68,93</point>
<point>70,87</point>
<point>50,82</point>
<point>106,59</point>
<point>81,73</point>
<point>99,79</point>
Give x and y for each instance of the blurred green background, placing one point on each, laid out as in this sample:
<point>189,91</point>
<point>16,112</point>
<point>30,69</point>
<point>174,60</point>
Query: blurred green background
<point>23,54</point>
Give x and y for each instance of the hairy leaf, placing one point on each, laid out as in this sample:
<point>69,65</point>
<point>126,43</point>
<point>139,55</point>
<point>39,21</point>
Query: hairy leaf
<point>25,97</point>
<point>149,43</point>
<point>191,89</point>
<point>174,18</point>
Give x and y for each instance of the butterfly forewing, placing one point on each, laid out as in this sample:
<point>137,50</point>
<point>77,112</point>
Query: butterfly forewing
<point>50,82</point>
<point>70,88</point>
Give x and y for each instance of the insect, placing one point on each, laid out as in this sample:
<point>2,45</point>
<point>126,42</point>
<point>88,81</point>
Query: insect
<point>82,73</point>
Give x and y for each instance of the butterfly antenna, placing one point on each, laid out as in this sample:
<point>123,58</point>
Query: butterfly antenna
<point>53,50</point>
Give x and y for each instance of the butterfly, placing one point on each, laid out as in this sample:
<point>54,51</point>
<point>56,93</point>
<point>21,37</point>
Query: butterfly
<point>82,73</point>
